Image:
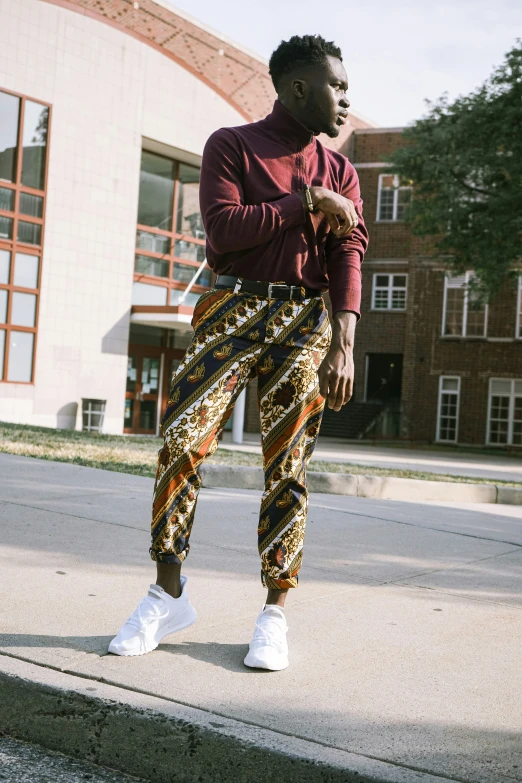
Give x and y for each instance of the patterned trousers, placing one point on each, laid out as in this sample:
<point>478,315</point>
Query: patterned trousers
<point>238,337</point>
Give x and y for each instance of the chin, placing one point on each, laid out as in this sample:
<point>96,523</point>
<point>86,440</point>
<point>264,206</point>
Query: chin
<point>333,131</point>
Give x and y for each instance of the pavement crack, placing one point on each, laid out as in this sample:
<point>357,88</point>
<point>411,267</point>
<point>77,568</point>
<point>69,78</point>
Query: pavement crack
<point>454,566</point>
<point>75,516</point>
<point>421,527</point>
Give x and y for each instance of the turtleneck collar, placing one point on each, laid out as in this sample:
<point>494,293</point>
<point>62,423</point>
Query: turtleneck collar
<point>287,128</point>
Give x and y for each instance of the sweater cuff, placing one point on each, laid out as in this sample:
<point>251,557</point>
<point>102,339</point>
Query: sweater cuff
<point>290,209</point>
<point>347,297</point>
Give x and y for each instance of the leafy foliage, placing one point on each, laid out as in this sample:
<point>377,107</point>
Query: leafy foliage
<point>465,159</point>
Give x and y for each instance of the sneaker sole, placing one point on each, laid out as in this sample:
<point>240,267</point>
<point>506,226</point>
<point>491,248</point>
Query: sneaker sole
<point>253,662</point>
<point>185,621</point>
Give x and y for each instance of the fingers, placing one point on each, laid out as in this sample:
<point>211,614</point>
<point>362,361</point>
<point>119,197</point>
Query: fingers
<point>333,223</point>
<point>348,220</point>
<point>336,389</point>
<point>348,390</point>
<point>333,393</point>
<point>323,382</point>
<point>340,213</point>
<point>339,400</point>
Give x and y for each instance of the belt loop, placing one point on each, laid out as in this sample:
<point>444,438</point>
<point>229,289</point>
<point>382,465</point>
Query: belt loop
<point>238,285</point>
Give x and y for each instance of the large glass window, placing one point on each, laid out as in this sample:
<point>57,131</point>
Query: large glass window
<point>23,157</point>
<point>505,412</point>
<point>34,144</point>
<point>9,119</point>
<point>448,413</point>
<point>464,315</point>
<point>170,238</point>
<point>189,217</point>
<point>156,199</point>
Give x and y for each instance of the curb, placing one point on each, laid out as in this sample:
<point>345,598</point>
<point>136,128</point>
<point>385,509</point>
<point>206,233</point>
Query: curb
<point>377,487</point>
<point>162,741</point>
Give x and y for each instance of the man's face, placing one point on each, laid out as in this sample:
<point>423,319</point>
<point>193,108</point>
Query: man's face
<point>326,105</point>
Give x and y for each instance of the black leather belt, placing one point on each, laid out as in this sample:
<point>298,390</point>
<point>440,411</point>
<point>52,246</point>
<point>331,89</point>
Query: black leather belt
<point>266,290</point>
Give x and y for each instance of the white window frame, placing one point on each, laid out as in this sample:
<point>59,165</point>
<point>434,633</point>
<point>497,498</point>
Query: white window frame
<point>447,284</point>
<point>443,378</point>
<point>518,323</point>
<point>390,287</point>
<point>511,414</point>
<point>396,188</point>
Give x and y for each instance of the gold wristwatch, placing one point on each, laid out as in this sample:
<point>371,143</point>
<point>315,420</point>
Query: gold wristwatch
<point>308,197</point>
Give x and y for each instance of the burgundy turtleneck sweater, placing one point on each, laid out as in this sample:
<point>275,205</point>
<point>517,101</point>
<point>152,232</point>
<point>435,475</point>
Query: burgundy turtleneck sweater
<point>255,222</point>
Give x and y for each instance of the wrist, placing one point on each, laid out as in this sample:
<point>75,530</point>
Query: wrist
<point>343,330</point>
<point>317,193</point>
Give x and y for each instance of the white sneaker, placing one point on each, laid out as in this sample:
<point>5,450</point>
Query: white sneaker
<point>269,649</point>
<point>157,615</point>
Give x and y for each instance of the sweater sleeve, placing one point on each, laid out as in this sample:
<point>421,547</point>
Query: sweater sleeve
<point>344,255</point>
<point>230,224</point>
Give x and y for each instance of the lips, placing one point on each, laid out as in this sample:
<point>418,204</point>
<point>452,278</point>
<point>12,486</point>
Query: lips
<point>342,118</point>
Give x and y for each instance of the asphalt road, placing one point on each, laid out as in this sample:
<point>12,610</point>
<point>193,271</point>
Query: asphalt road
<point>21,762</point>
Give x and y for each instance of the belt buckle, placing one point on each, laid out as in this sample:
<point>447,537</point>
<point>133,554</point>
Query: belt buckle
<point>238,285</point>
<point>269,294</point>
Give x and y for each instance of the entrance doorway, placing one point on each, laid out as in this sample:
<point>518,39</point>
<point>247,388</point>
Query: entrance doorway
<point>383,377</point>
<point>149,371</point>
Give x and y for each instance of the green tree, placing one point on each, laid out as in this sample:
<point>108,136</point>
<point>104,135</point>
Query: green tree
<point>465,161</point>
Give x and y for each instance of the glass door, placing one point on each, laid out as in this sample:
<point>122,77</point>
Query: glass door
<point>141,397</point>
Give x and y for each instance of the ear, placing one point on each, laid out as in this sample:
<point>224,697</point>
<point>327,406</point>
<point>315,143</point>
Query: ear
<point>299,88</point>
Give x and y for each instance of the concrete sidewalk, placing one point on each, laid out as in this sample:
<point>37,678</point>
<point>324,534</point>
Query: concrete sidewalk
<point>452,462</point>
<point>405,633</point>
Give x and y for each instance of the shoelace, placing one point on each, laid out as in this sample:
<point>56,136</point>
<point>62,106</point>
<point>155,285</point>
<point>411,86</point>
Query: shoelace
<point>269,630</point>
<point>147,611</point>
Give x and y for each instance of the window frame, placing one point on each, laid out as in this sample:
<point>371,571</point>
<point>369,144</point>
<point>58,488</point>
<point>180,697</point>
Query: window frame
<point>390,287</point>
<point>14,245</point>
<point>396,188</point>
<point>511,412</point>
<point>467,276</point>
<point>518,322</point>
<point>169,283</point>
<point>442,391</point>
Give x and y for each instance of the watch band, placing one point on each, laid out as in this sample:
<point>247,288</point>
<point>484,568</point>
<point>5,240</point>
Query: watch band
<point>308,196</point>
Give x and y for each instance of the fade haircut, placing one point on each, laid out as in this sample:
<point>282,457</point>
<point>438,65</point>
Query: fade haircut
<point>300,50</point>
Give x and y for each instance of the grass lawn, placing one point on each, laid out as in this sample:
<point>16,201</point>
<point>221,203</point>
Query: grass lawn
<point>138,455</point>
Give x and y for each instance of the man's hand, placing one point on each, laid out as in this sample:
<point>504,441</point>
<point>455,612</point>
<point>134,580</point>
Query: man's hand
<point>336,370</point>
<point>338,210</point>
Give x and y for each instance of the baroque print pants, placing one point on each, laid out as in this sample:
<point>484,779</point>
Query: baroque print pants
<point>238,337</point>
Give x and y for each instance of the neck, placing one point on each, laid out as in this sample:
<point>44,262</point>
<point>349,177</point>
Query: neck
<point>293,109</point>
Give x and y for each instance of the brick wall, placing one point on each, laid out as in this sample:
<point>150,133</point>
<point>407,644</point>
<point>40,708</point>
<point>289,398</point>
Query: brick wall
<point>417,334</point>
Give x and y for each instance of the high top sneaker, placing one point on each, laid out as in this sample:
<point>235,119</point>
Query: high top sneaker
<point>156,616</point>
<point>268,648</point>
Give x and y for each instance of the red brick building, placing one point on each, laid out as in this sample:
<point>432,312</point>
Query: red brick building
<point>431,366</point>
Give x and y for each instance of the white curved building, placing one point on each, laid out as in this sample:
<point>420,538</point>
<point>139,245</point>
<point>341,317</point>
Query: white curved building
<point>105,106</point>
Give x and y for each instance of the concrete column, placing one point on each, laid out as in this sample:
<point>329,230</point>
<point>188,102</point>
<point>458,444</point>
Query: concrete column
<point>238,418</point>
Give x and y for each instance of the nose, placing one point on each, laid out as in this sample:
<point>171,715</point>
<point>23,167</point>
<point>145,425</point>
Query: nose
<point>344,102</point>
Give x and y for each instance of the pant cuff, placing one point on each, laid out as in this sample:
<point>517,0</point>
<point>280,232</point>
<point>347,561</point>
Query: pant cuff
<point>278,584</point>
<point>164,557</point>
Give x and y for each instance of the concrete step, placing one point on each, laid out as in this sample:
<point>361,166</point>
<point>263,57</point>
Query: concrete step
<point>165,741</point>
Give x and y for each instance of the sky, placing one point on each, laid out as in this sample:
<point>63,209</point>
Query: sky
<point>397,53</point>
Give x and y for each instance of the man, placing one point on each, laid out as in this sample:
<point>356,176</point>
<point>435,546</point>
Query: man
<point>283,220</point>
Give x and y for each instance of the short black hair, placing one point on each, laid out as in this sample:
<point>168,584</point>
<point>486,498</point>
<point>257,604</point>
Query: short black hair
<point>300,50</point>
